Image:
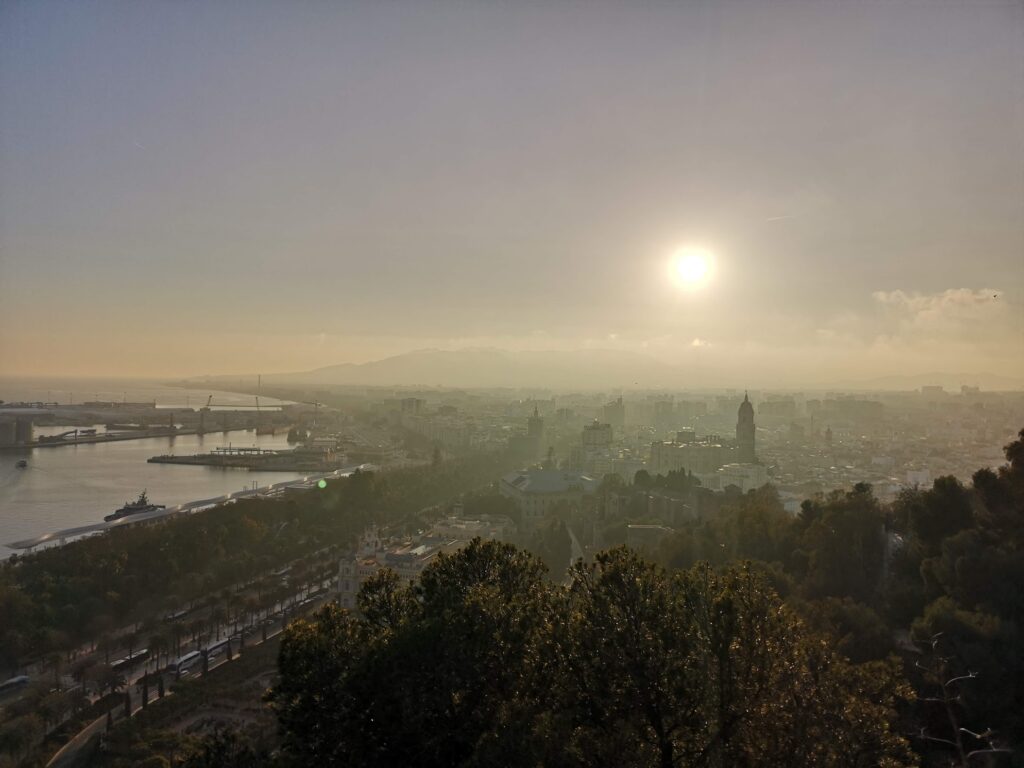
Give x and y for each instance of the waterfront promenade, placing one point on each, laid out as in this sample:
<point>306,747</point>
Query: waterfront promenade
<point>106,437</point>
<point>61,537</point>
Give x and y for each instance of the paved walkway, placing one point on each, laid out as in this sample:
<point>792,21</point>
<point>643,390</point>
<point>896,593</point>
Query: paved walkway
<point>192,506</point>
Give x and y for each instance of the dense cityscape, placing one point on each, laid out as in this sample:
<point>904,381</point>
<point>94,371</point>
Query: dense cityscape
<point>566,477</point>
<point>472,384</point>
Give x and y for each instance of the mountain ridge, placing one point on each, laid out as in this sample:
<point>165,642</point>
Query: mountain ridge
<point>588,369</point>
<point>493,367</point>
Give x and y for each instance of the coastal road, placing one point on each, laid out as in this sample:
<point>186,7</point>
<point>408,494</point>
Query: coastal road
<point>67,755</point>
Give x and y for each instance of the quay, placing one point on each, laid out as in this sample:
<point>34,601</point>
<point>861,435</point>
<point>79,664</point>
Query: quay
<point>62,537</point>
<point>107,437</point>
<point>132,421</point>
<point>264,459</point>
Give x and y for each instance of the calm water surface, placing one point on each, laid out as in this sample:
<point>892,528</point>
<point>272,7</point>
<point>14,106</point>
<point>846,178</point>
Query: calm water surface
<point>76,485</point>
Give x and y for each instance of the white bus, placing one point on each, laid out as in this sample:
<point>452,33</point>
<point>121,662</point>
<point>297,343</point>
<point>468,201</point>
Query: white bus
<point>186,662</point>
<point>14,683</point>
<point>217,648</point>
<point>128,661</point>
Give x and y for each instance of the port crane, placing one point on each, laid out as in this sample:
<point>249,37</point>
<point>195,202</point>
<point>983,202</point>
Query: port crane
<point>316,408</point>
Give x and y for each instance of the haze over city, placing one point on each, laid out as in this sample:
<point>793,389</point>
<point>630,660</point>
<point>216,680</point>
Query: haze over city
<point>794,192</point>
<point>462,383</point>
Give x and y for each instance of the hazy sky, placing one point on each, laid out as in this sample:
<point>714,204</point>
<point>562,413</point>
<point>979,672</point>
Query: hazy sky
<point>219,187</point>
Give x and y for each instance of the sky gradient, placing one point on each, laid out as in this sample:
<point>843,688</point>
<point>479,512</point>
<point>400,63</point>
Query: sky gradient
<point>218,187</point>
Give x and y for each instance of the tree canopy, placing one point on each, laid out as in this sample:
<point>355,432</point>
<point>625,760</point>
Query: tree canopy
<point>486,662</point>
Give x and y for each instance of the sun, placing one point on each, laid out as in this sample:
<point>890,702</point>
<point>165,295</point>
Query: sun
<point>691,267</point>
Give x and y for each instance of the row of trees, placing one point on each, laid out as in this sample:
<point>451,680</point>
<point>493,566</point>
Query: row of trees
<point>78,608</point>
<point>60,599</point>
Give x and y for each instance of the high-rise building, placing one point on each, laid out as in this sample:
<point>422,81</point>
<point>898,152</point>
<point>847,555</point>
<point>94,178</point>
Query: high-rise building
<point>597,436</point>
<point>664,415</point>
<point>615,414</point>
<point>745,432</point>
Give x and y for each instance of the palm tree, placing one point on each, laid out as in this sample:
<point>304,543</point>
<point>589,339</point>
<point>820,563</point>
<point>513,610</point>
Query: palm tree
<point>51,708</point>
<point>158,643</point>
<point>104,677</point>
<point>55,661</point>
<point>132,637</point>
<point>252,606</point>
<point>104,644</point>
<point>77,700</point>
<point>235,607</point>
<point>176,630</point>
<point>192,587</point>
<point>172,603</point>
<point>195,628</point>
<point>218,615</point>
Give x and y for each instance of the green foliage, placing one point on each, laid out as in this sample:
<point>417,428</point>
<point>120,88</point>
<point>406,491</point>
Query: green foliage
<point>58,599</point>
<point>700,668</point>
<point>423,684</point>
<point>754,527</point>
<point>937,513</point>
<point>947,559</point>
<point>973,580</point>
<point>675,480</point>
<point>551,543</point>
<point>485,662</point>
<point>226,749</point>
<point>845,543</point>
<point>155,733</point>
<point>860,633</point>
<point>19,736</point>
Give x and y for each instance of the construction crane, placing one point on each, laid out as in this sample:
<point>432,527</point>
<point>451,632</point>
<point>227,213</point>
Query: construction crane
<point>316,408</point>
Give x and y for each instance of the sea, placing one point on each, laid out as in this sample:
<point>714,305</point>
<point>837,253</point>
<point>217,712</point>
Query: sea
<point>69,486</point>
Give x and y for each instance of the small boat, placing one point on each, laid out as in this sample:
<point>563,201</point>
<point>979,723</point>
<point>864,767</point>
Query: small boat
<point>136,507</point>
<point>21,464</point>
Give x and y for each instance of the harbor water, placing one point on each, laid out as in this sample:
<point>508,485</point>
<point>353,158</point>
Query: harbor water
<point>68,486</point>
<point>77,485</point>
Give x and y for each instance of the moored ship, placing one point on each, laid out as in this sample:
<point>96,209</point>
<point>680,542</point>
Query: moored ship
<point>136,507</point>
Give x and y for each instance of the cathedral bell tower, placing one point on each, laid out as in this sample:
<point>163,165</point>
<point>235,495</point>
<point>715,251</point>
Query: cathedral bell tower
<point>535,432</point>
<point>745,432</point>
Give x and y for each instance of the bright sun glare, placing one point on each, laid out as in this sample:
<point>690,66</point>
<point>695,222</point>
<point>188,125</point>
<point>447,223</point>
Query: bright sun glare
<point>691,267</point>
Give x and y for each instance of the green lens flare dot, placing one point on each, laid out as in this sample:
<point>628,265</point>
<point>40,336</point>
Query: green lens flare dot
<point>322,484</point>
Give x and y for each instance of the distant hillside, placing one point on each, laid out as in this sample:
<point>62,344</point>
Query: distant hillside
<point>589,369</point>
<point>483,368</point>
<point>949,381</point>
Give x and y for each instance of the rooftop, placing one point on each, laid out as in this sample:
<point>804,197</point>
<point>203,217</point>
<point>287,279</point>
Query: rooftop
<point>550,481</point>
